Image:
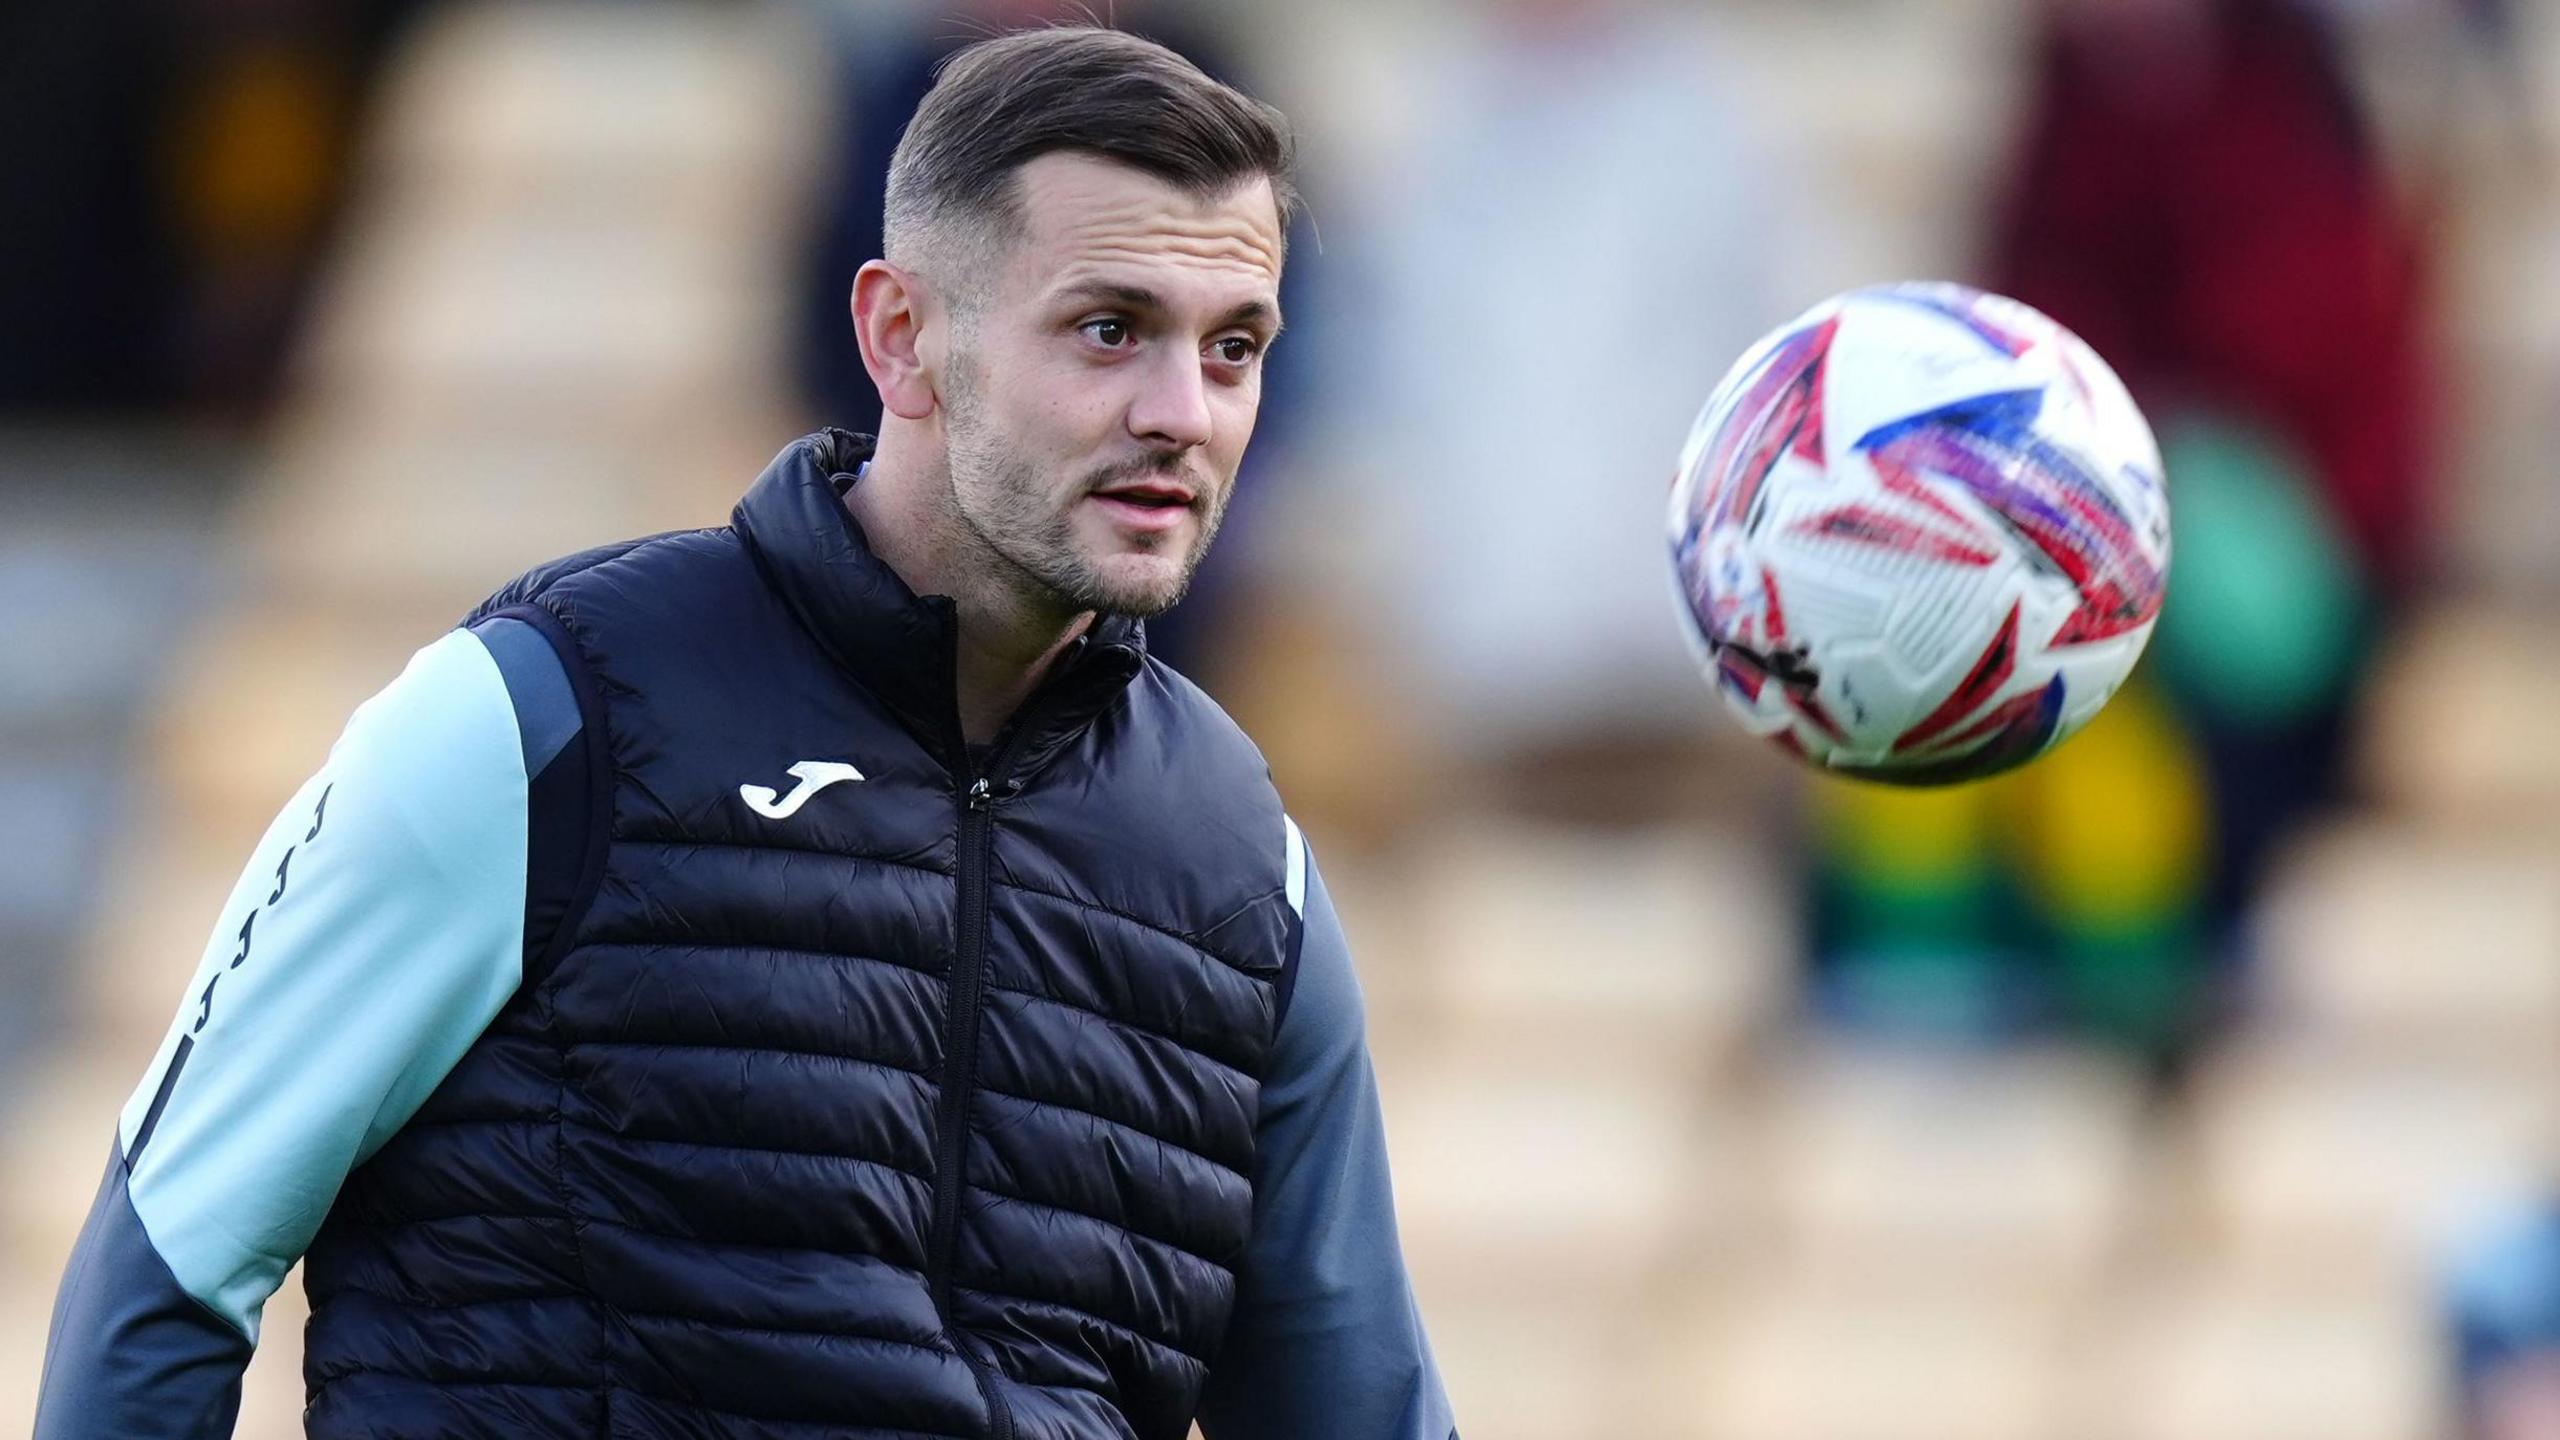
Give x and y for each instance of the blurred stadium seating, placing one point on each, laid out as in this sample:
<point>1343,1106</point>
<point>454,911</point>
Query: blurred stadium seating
<point>1642,1195</point>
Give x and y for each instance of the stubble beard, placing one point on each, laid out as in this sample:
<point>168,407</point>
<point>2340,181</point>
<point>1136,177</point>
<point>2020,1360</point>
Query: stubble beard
<point>1020,526</point>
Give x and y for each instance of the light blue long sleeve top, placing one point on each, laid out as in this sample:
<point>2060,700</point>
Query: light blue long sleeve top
<point>380,925</point>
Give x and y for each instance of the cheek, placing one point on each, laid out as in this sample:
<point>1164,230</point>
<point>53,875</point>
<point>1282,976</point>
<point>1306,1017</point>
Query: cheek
<point>1241,408</point>
<point>1072,404</point>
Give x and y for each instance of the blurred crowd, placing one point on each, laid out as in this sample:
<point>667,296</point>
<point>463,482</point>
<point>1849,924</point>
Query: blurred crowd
<point>2251,975</point>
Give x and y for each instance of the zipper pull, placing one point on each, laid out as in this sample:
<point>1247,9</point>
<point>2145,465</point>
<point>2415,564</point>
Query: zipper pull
<point>982,796</point>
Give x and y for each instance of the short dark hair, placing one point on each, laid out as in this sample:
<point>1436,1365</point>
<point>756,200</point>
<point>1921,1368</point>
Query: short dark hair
<point>1001,103</point>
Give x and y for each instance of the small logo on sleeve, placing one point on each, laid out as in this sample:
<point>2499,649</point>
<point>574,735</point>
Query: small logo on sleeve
<point>813,775</point>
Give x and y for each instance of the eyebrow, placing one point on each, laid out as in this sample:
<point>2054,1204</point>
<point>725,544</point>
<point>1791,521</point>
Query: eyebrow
<point>1138,297</point>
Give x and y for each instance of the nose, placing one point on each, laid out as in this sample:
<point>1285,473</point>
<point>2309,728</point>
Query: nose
<point>1172,408</point>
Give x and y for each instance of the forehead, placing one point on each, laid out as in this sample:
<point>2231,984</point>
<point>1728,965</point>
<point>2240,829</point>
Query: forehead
<point>1086,219</point>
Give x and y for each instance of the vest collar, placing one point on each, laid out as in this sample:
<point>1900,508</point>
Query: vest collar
<point>902,647</point>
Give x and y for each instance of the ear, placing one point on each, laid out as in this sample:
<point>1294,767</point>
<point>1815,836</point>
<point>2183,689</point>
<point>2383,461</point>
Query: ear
<point>897,322</point>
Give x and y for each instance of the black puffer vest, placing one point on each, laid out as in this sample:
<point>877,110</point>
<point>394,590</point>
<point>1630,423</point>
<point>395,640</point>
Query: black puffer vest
<point>922,1108</point>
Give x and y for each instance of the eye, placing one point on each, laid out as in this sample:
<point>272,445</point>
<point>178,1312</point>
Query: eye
<point>1109,331</point>
<point>1237,349</point>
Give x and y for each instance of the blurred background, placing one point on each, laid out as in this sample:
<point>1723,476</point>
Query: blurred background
<point>2200,1081</point>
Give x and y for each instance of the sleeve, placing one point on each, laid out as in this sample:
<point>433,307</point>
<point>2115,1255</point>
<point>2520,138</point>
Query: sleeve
<point>377,929</point>
<point>1326,1339</point>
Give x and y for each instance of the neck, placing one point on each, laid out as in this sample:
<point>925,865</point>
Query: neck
<point>1011,631</point>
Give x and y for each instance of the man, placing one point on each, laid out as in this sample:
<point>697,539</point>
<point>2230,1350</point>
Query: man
<point>819,976</point>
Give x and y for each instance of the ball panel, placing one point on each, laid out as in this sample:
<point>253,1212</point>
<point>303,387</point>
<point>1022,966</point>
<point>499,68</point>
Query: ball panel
<point>1919,534</point>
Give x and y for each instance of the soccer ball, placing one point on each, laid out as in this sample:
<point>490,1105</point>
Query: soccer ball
<point>1919,534</point>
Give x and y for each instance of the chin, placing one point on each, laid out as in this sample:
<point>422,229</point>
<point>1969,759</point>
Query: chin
<point>1140,586</point>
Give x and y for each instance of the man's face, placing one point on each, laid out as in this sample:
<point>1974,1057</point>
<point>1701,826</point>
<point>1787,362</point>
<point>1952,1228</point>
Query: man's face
<point>1100,390</point>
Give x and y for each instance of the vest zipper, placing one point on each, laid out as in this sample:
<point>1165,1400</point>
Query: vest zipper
<point>960,1075</point>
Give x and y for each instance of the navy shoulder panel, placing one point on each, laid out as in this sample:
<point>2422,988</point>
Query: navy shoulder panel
<point>560,716</point>
<point>547,717</point>
<point>552,696</point>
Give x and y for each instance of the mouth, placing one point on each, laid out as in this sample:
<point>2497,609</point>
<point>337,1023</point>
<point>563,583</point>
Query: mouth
<point>1146,507</point>
<point>1150,495</point>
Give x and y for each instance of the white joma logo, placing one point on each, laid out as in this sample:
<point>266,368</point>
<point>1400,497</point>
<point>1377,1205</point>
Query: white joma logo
<point>813,775</point>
